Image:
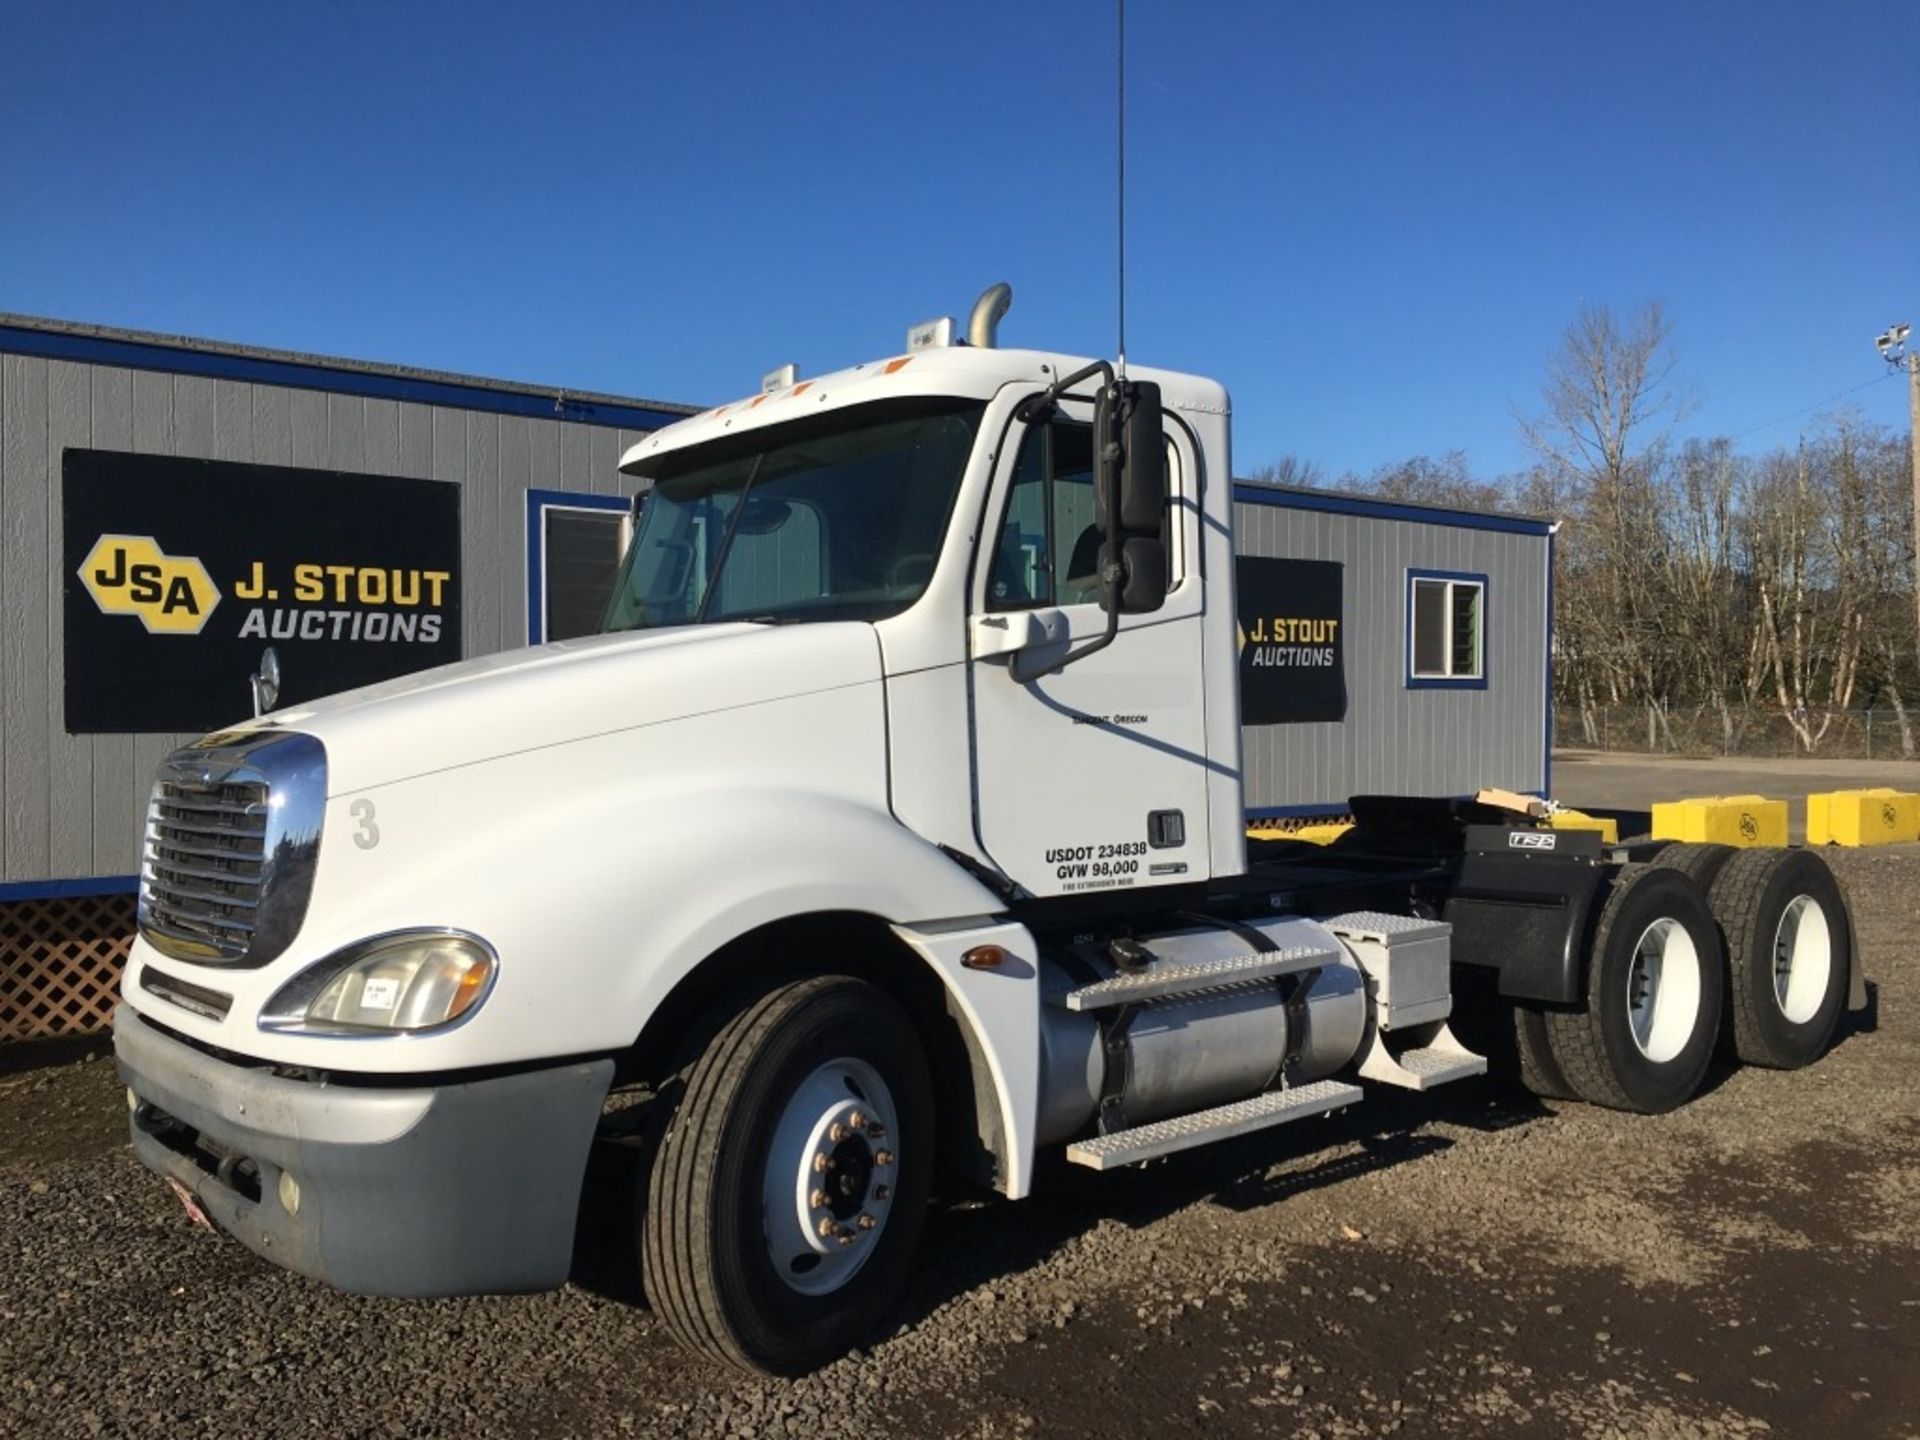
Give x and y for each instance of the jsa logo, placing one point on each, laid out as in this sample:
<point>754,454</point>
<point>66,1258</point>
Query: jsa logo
<point>131,575</point>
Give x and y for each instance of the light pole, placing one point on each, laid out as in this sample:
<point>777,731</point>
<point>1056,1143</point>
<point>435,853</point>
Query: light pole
<point>1892,345</point>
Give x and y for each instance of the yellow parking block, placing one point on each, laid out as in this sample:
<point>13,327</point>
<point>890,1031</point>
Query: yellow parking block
<point>1322,834</point>
<point>1862,817</point>
<point>1739,820</point>
<point>1579,820</point>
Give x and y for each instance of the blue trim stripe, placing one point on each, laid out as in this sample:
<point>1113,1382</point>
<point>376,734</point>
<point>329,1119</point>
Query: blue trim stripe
<point>69,889</point>
<point>1450,682</point>
<point>1332,503</point>
<point>1314,812</point>
<point>1296,812</point>
<point>538,503</point>
<point>140,355</point>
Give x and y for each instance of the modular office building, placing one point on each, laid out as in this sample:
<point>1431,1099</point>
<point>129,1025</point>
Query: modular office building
<point>173,507</point>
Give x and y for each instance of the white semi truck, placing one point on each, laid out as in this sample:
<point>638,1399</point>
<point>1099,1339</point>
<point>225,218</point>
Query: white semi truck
<point>890,838</point>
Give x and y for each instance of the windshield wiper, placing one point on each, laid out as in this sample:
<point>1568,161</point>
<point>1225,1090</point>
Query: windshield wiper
<point>726,540</point>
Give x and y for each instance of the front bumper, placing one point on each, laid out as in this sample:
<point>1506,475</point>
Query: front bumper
<point>446,1189</point>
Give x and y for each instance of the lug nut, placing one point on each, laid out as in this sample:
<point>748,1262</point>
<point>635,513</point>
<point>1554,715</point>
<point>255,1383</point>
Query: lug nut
<point>847,1237</point>
<point>836,1132</point>
<point>857,1120</point>
<point>883,1192</point>
<point>826,1228</point>
<point>820,1163</point>
<point>818,1199</point>
<point>875,1129</point>
<point>883,1157</point>
<point>866,1222</point>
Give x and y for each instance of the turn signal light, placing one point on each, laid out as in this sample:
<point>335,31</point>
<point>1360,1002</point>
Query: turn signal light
<point>985,957</point>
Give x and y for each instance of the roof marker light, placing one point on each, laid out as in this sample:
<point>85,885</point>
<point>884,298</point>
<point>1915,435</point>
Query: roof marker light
<point>893,365</point>
<point>781,379</point>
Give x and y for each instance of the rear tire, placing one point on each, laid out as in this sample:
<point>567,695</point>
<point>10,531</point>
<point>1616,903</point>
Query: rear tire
<point>1655,987</point>
<point>1540,1070</point>
<point>1789,954</point>
<point>1699,862</point>
<point>733,1256</point>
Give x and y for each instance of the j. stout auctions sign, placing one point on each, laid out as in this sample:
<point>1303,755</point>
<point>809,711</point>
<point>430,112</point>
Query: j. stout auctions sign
<point>1291,633</point>
<point>180,573</point>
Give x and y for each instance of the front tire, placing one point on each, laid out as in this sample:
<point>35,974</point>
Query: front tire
<point>1655,987</point>
<point>1789,954</point>
<point>787,1197</point>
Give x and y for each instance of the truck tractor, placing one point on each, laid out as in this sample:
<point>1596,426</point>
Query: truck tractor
<point>889,839</point>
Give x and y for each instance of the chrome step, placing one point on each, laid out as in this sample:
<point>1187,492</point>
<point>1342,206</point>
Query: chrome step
<point>1436,1065</point>
<point>1438,1059</point>
<point>1203,1127</point>
<point>1163,978</point>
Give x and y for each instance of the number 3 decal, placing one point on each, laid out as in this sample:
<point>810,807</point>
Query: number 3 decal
<point>368,835</point>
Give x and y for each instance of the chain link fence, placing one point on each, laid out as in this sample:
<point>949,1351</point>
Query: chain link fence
<point>1703,730</point>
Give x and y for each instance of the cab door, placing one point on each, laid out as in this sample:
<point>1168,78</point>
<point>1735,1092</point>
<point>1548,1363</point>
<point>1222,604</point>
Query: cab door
<point>1091,777</point>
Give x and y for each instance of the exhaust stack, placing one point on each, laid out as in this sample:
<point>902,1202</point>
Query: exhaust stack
<point>988,311</point>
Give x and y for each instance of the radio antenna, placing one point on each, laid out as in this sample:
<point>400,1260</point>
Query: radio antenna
<point>1120,168</point>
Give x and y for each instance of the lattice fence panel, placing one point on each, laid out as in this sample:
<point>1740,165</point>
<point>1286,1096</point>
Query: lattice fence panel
<point>60,963</point>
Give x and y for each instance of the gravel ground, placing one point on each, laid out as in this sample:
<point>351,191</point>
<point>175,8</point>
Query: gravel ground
<point>1469,1263</point>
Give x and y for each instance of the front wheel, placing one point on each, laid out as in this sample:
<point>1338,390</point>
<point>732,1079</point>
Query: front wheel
<point>1655,986</point>
<point>787,1197</point>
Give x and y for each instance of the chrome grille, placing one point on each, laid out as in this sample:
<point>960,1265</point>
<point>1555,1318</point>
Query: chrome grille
<point>205,863</point>
<point>233,833</point>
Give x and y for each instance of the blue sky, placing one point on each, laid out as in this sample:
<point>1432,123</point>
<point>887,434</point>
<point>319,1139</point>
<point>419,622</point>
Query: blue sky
<point>1370,221</point>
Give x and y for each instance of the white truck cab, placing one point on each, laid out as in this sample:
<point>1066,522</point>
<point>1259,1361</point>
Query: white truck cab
<point>892,830</point>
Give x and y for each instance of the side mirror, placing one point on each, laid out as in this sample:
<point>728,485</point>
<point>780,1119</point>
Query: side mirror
<point>1130,496</point>
<point>266,683</point>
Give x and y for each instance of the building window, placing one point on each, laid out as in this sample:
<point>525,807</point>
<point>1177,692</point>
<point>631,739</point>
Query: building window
<point>574,544</point>
<point>1446,629</point>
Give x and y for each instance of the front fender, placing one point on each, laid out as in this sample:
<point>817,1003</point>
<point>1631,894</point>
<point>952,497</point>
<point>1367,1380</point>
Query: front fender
<point>601,871</point>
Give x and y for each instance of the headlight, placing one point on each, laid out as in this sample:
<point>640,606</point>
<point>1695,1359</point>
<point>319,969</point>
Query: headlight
<point>406,983</point>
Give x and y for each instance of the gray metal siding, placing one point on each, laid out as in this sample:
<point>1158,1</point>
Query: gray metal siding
<point>1397,740</point>
<point>70,805</point>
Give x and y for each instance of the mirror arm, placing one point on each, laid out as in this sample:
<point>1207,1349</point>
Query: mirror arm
<point>1043,402</point>
<point>1025,670</point>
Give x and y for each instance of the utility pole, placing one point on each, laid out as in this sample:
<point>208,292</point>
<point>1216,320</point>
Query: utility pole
<point>1892,345</point>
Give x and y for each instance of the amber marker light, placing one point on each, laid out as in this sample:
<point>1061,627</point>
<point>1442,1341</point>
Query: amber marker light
<point>985,957</point>
<point>473,984</point>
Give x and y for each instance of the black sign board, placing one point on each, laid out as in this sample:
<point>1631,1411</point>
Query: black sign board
<point>180,574</point>
<point>1292,640</point>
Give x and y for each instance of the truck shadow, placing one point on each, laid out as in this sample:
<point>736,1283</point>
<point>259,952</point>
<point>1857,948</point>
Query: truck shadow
<point>972,1243</point>
<point>972,1240</point>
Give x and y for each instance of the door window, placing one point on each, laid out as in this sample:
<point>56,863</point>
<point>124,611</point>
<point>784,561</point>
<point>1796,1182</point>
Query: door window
<point>1048,549</point>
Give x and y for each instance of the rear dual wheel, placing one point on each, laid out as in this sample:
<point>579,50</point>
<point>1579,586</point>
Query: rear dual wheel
<point>1789,953</point>
<point>1780,948</point>
<point>1655,986</point>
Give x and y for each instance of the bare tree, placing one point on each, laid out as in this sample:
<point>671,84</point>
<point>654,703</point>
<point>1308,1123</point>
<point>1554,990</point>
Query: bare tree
<point>1291,469</point>
<point>1609,412</point>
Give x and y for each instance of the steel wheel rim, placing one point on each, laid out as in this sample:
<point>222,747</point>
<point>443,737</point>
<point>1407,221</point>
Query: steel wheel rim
<point>1802,959</point>
<point>1663,990</point>
<point>830,1177</point>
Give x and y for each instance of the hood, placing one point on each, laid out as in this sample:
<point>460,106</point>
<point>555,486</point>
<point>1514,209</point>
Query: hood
<point>570,690</point>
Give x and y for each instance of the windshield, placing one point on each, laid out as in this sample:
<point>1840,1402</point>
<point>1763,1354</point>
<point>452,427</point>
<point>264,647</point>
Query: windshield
<point>834,518</point>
